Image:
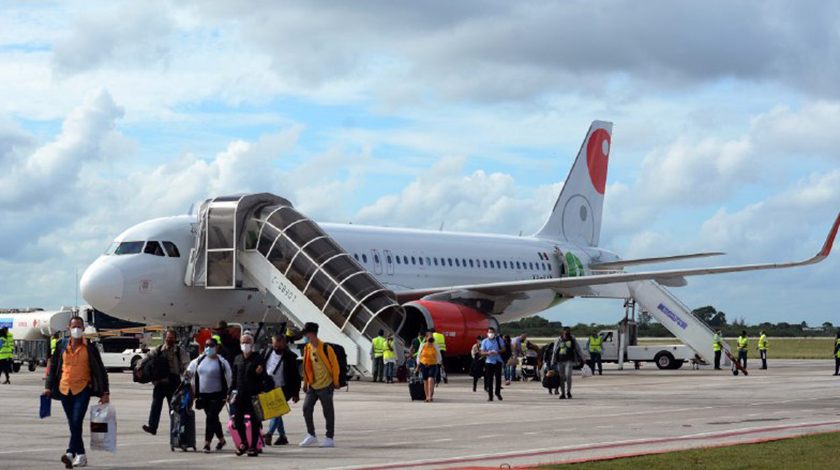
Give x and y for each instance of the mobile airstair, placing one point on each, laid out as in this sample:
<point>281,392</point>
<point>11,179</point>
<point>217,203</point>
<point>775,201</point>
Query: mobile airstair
<point>676,317</point>
<point>261,242</point>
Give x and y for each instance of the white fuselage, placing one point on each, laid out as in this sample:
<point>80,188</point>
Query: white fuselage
<point>150,288</point>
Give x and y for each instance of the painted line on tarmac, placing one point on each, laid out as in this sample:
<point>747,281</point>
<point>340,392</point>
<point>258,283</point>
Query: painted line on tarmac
<point>59,449</point>
<point>606,445</point>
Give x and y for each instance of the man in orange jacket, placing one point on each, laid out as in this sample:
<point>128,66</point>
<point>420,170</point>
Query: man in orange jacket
<point>320,379</point>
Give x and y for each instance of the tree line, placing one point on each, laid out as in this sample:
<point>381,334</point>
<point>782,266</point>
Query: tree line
<point>538,326</point>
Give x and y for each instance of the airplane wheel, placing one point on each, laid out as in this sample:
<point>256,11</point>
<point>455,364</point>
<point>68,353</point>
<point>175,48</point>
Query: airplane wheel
<point>16,368</point>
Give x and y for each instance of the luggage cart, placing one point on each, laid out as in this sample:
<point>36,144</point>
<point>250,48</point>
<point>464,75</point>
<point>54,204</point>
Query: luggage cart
<point>32,352</point>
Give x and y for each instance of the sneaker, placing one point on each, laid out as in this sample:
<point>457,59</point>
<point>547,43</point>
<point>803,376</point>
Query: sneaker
<point>67,460</point>
<point>328,442</point>
<point>267,439</point>
<point>206,449</point>
<point>149,430</point>
<point>221,445</point>
<point>309,441</point>
<point>281,441</point>
<point>80,461</point>
<point>563,396</point>
<point>570,395</point>
<point>507,383</point>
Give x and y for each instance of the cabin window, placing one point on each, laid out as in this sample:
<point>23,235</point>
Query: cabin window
<point>398,259</point>
<point>364,258</point>
<point>405,260</point>
<point>376,258</point>
<point>435,260</point>
<point>450,262</point>
<point>413,260</point>
<point>504,263</point>
<point>421,260</point>
<point>485,264</point>
<point>457,262</point>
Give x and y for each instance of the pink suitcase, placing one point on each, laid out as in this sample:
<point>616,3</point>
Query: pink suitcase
<point>234,433</point>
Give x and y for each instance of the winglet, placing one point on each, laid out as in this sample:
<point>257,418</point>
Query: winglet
<point>829,242</point>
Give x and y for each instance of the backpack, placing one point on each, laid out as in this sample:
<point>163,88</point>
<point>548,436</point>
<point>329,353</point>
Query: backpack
<point>341,355</point>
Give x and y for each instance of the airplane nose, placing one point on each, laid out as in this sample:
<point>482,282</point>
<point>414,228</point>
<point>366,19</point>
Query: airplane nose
<point>102,286</point>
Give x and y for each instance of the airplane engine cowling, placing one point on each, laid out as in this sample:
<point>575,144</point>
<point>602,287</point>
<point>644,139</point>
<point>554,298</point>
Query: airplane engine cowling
<point>458,323</point>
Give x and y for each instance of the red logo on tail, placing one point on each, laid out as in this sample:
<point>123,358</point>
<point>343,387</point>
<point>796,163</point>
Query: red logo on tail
<point>597,157</point>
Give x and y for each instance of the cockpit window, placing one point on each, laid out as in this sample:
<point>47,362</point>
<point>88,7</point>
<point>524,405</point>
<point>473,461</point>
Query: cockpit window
<point>154,248</point>
<point>172,249</point>
<point>129,248</point>
<point>111,248</point>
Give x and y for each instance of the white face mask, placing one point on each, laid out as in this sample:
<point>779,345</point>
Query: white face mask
<point>76,333</point>
<point>246,348</point>
<point>491,335</point>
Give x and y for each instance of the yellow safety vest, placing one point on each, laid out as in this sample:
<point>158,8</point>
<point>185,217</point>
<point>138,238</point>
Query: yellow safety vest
<point>53,344</point>
<point>8,349</point>
<point>762,342</point>
<point>743,342</point>
<point>837,343</point>
<point>378,346</point>
<point>440,340</point>
<point>389,352</point>
<point>218,339</point>
<point>717,340</point>
<point>595,344</point>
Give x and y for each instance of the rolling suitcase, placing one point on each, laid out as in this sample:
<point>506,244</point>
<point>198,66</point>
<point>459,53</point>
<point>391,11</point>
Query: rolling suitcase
<point>402,374</point>
<point>416,389</point>
<point>234,434</point>
<point>182,431</point>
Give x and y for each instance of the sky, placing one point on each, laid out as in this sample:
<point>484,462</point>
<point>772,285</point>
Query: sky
<point>415,114</point>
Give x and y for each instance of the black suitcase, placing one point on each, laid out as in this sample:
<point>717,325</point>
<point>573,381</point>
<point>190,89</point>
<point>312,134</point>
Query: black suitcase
<point>182,430</point>
<point>416,388</point>
<point>551,380</point>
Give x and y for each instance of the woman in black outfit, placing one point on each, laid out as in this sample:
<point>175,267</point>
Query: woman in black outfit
<point>477,365</point>
<point>249,380</point>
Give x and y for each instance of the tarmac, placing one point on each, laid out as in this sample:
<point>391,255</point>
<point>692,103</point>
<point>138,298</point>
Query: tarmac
<point>378,427</point>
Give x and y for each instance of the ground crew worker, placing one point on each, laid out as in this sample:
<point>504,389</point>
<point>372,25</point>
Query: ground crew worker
<point>440,341</point>
<point>377,350</point>
<point>595,352</point>
<point>7,350</point>
<point>54,343</point>
<point>837,355</point>
<point>389,355</point>
<point>743,344</point>
<point>567,354</point>
<point>762,349</point>
<point>717,345</point>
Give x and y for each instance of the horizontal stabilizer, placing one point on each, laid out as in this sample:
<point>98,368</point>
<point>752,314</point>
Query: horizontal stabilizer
<point>636,262</point>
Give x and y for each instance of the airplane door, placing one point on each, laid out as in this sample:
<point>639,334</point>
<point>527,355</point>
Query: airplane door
<point>389,262</point>
<point>377,262</point>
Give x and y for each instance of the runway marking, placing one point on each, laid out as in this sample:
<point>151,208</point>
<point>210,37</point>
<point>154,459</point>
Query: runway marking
<point>489,436</point>
<point>58,449</point>
<point>573,448</point>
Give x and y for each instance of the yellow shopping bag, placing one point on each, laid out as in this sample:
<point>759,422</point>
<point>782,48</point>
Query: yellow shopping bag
<point>270,404</point>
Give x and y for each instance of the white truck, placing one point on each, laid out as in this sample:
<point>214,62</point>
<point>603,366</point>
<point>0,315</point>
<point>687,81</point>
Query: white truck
<point>666,356</point>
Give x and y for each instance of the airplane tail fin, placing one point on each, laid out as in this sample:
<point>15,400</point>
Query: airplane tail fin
<point>576,216</point>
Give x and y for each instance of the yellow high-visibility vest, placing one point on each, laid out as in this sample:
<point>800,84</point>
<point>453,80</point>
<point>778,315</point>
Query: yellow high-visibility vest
<point>837,343</point>
<point>378,346</point>
<point>743,342</point>
<point>440,340</point>
<point>762,342</point>
<point>389,352</point>
<point>717,343</point>
<point>595,344</point>
<point>53,344</point>
<point>8,348</point>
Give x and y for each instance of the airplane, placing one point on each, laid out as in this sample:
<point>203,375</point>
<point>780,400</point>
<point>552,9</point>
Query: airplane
<point>460,282</point>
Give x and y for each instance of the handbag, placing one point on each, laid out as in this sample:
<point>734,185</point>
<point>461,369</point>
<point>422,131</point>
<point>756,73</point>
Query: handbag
<point>270,405</point>
<point>46,406</point>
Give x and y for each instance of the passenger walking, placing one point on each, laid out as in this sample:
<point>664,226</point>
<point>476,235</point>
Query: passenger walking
<point>390,358</point>
<point>595,352</point>
<point>477,364</point>
<point>320,379</point>
<point>762,349</point>
<point>492,349</point>
<point>75,374</point>
<point>429,360</point>
<point>7,350</point>
<point>506,355</point>
<point>212,378</point>
<point>517,352</point>
<point>717,345</point>
<point>377,350</point>
<point>249,380</point>
<point>170,369</point>
<point>567,353</point>
<point>281,366</point>
<point>743,345</point>
<point>837,355</point>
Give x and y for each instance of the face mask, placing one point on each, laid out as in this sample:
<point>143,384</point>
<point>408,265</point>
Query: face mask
<point>76,333</point>
<point>491,335</point>
<point>246,348</point>
<point>209,350</point>
<point>305,340</point>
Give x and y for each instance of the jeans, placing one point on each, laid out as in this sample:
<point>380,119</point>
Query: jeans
<point>378,368</point>
<point>245,407</point>
<point>595,358</point>
<point>161,392</point>
<point>389,371</point>
<point>493,376</point>
<point>742,358</point>
<point>717,359</point>
<point>276,424</point>
<point>565,369</point>
<point>763,358</point>
<point>325,396</point>
<point>506,368</point>
<point>75,407</point>
<point>214,403</point>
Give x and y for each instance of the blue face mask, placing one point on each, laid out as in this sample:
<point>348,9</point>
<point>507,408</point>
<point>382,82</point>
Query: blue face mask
<point>209,351</point>
<point>305,340</point>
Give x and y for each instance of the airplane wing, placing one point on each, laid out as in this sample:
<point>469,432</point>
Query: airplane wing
<point>636,262</point>
<point>664,277</point>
